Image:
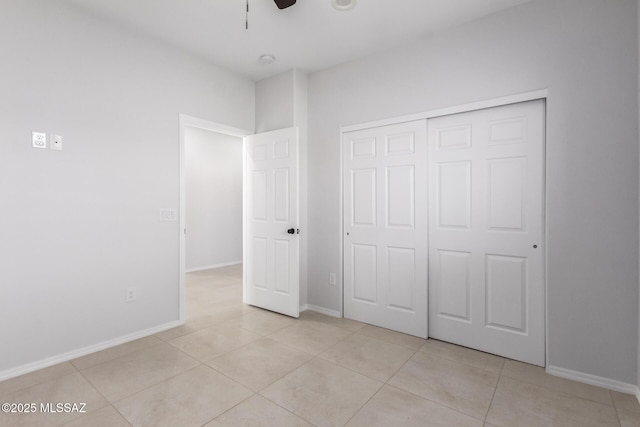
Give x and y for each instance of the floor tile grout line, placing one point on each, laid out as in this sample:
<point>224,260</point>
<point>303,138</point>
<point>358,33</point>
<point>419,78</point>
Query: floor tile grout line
<point>403,365</point>
<point>618,417</point>
<point>241,384</point>
<point>388,342</point>
<point>305,351</point>
<point>504,359</point>
<point>115,358</point>
<point>565,393</point>
<point>495,389</point>
<point>155,384</point>
<point>422,397</point>
<point>280,406</point>
<point>364,404</point>
<point>317,356</point>
<point>5,396</point>
<point>134,352</point>
<point>385,383</point>
<point>229,409</point>
<point>109,403</point>
<point>257,393</point>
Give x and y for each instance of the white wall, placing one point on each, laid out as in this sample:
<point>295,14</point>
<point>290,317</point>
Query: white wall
<point>78,227</point>
<point>585,53</point>
<point>213,198</point>
<point>275,102</point>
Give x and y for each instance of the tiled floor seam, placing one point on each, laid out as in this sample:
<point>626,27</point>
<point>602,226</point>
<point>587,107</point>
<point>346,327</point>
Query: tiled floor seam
<point>39,382</point>
<point>493,395</point>
<point>465,363</point>
<point>238,382</point>
<point>304,351</point>
<point>560,391</point>
<point>229,409</point>
<point>613,401</point>
<point>177,375</point>
<point>386,383</point>
<point>387,342</point>
<point>154,384</point>
<point>317,356</point>
<point>618,417</point>
<point>109,403</point>
<point>430,400</point>
<point>115,358</point>
<point>280,406</point>
<point>365,403</point>
<point>435,402</point>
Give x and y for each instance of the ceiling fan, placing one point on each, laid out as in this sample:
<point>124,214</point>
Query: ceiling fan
<point>338,4</point>
<point>283,4</point>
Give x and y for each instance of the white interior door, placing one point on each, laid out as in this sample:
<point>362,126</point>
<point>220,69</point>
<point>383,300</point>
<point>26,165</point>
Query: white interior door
<point>385,226</point>
<point>271,232</point>
<point>486,232</point>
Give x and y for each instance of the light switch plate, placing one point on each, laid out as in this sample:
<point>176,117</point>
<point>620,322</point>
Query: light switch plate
<point>39,139</point>
<point>168,215</point>
<point>56,142</point>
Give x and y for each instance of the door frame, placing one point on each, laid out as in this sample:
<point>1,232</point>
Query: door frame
<point>456,109</point>
<point>195,122</point>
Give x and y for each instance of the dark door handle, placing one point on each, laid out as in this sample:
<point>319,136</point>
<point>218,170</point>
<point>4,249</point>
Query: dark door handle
<point>291,231</point>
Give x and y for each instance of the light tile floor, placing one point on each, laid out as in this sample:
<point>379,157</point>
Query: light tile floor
<point>235,365</point>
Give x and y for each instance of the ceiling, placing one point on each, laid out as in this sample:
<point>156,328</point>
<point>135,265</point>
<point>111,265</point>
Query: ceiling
<point>310,35</point>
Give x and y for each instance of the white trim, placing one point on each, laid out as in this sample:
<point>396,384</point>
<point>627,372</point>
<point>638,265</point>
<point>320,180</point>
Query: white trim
<point>209,267</point>
<point>637,393</point>
<point>182,226</point>
<point>74,354</point>
<point>473,106</point>
<point>213,126</point>
<point>545,234</point>
<point>244,221</point>
<point>190,121</point>
<point>321,310</point>
<point>341,224</point>
<point>593,380</point>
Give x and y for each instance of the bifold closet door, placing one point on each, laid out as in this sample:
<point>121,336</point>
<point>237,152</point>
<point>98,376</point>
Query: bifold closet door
<point>486,178</point>
<point>385,226</point>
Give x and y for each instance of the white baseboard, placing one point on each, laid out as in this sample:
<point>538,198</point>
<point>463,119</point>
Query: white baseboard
<point>209,267</point>
<point>594,380</point>
<point>74,354</point>
<point>322,310</point>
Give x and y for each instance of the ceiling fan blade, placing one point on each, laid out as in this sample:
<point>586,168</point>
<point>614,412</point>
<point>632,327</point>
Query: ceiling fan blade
<point>283,4</point>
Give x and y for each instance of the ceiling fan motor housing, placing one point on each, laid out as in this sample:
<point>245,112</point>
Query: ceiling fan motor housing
<point>283,4</point>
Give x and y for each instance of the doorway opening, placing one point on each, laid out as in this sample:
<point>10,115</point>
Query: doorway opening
<point>211,220</point>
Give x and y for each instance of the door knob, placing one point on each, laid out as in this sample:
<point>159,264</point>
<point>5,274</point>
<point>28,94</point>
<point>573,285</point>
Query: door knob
<point>291,231</point>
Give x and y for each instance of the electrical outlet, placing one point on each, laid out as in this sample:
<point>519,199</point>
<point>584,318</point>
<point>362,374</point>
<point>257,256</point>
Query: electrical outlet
<point>39,139</point>
<point>332,279</point>
<point>131,294</point>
